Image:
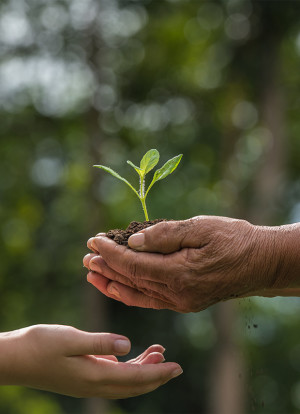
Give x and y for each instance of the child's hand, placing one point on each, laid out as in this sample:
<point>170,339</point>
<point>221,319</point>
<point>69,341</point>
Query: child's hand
<point>68,361</point>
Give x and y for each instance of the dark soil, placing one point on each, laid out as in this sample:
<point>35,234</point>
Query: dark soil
<point>121,236</point>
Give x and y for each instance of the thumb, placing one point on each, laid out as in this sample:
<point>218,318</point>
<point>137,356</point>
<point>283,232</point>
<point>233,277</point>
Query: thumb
<point>86,343</point>
<point>169,236</point>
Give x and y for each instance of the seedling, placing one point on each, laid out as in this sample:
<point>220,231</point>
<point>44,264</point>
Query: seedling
<point>148,162</point>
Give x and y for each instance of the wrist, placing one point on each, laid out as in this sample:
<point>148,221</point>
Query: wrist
<point>7,358</point>
<point>279,250</point>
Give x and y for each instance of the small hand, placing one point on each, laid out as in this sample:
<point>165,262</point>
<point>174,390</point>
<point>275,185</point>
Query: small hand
<point>68,361</point>
<point>185,265</point>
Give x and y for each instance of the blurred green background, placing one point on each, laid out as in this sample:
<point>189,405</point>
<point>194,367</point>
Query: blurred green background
<point>87,81</point>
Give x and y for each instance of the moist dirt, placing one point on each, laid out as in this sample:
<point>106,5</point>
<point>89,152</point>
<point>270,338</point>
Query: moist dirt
<point>121,236</point>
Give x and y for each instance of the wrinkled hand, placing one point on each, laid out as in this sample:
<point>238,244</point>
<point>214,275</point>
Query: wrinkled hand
<point>67,361</point>
<point>187,265</point>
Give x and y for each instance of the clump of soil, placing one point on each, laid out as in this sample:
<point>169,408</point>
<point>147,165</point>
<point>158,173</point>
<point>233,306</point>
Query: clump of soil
<point>121,236</point>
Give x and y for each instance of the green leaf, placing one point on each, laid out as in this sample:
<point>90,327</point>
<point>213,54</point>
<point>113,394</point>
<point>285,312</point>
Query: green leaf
<point>165,170</point>
<point>149,160</point>
<point>112,172</point>
<point>137,169</point>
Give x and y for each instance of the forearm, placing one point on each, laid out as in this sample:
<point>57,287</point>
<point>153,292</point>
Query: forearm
<point>289,267</point>
<point>9,356</point>
<point>282,244</point>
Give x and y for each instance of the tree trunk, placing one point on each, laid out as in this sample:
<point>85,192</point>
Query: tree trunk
<point>269,178</point>
<point>227,373</point>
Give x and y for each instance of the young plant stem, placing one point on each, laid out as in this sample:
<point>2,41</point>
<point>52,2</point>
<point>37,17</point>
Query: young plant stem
<point>143,196</point>
<point>145,209</point>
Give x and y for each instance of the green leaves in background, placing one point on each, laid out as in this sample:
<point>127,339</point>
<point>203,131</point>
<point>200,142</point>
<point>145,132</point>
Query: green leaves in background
<point>177,85</point>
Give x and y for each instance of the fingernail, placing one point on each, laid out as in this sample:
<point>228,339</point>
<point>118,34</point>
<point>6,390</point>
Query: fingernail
<point>113,291</point>
<point>122,346</point>
<point>94,265</point>
<point>94,246</point>
<point>176,372</point>
<point>91,273</point>
<point>136,240</point>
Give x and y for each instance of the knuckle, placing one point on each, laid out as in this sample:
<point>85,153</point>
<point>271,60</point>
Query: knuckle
<point>98,345</point>
<point>132,271</point>
<point>161,227</point>
<point>164,232</point>
<point>34,333</point>
<point>175,284</point>
<point>190,258</point>
<point>158,237</point>
<point>163,238</point>
<point>66,329</point>
<point>179,280</point>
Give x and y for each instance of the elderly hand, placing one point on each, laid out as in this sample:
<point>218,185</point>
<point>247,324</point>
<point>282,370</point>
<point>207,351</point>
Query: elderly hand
<point>68,361</point>
<point>189,265</point>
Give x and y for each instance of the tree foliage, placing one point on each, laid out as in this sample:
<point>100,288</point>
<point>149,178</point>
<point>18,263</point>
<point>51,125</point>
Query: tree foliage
<point>88,82</point>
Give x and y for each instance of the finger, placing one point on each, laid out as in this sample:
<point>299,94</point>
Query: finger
<point>171,236</point>
<point>107,357</point>
<point>119,391</point>
<point>100,282</point>
<point>152,349</point>
<point>153,358</point>
<point>97,264</point>
<point>135,374</point>
<point>133,297</point>
<point>86,343</point>
<point>141,360</point>
<point>87,258</point>
<point>149,266</point>
<point>115,291</point>
<point>89,245</point>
